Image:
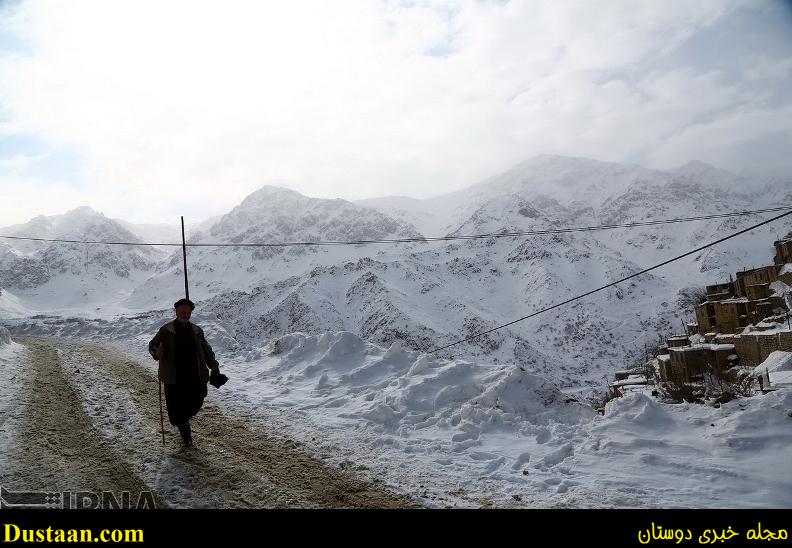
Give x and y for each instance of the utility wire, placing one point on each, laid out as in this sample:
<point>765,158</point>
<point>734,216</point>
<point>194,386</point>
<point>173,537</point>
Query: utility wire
<point>427,239</point>
<point>613,283</point>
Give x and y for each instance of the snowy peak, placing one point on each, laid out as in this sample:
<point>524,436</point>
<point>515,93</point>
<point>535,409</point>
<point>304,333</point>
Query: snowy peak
<point>82,211</point>
<point>27,265</point>
<point>271,215</point>
<point>279,214</point>
<point>570,180</point>
<point>693,167</point>
<point>706,174</point>
<point>574,190</point>
<point>269,196</point>
<point>82,223</point>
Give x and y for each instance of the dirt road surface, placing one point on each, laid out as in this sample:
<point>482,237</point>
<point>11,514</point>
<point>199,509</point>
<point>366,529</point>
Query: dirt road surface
<point>88,420</point>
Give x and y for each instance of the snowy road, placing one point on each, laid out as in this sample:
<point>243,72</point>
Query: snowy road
<point>87,419</point>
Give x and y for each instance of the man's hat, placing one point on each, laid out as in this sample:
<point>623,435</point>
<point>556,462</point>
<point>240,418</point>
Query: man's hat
<point>180,302</point>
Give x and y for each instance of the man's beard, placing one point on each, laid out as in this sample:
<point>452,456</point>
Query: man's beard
<point>183,321</point>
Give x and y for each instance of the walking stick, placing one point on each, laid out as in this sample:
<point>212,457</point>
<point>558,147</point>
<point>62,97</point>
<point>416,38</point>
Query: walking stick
<point>162,421</point>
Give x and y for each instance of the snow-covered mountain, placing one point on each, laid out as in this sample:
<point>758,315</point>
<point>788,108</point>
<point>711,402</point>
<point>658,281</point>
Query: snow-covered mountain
<point>68,276</point>
<point>271,214</point>
<point>430,294</point>
<point>578,184</point>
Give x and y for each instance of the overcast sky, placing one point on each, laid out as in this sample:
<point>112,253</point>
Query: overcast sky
<point>151,110</point>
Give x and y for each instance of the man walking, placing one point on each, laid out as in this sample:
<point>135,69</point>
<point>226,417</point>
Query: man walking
<point>185,359</point>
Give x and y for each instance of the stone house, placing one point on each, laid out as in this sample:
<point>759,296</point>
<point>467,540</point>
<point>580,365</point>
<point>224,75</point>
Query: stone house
<point>677,340</point>
<point>753,348</point>
<point>783,251</point>
<point>754,284</point>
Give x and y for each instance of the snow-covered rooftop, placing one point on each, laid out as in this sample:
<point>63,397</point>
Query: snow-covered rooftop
<point>696,348</point>
<point>700,347</point>
<point>778,367</point>
<point>776,361</point>
<point>630,381</point>
<point>771,332</point>
<point>719,347</point>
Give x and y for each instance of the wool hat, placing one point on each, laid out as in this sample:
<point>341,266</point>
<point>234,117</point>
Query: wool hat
<point>180,302</point>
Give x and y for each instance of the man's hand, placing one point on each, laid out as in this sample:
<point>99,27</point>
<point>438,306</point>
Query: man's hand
<point>158,352</point>
<point>216,378</point>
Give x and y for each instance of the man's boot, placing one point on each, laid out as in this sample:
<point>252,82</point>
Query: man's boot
<point>186,432</point>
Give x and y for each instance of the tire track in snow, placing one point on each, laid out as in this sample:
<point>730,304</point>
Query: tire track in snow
<point>56,446</point>
<point>235,462</point>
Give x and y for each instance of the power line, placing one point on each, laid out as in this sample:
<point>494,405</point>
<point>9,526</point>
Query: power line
<point>612,283</point>
<point>423,239</point>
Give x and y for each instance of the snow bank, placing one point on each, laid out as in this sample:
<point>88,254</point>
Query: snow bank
<point>471,430</point>
<point>495,432</point>
<point>736,455</point>
<point>400,390</point>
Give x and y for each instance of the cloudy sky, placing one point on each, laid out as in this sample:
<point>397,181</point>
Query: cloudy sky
<point>151,110</point>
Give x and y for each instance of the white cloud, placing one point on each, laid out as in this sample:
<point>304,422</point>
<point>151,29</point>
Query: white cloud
<point>186,107</point>
<point>26,197</point>
<point>18,163</point>
<point>719,140</point>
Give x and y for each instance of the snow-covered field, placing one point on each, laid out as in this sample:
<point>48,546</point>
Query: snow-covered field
<point>464,433</point>
<point>498,432</point>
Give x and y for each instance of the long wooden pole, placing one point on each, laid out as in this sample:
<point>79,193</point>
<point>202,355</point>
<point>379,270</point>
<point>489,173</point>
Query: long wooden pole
<point>184,254</point>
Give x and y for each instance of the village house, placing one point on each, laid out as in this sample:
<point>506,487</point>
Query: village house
<point>689,363</point>
<point>783,251</point>
<point>731,314</point>
<point>754,284</point>
<point>677,340</point>
<point>755,346</point>
<point>743,322</point>
<point>632,382</point>
<point>740,323</point>
<point>785,274</point>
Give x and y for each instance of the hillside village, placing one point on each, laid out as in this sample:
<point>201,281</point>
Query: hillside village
<point>742,336</point>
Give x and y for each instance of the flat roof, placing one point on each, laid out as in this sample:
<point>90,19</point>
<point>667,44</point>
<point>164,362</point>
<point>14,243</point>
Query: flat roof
<point>721,347</point>
<point>692,348</point>
<point>688,348</point>
<point>629,382</point>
